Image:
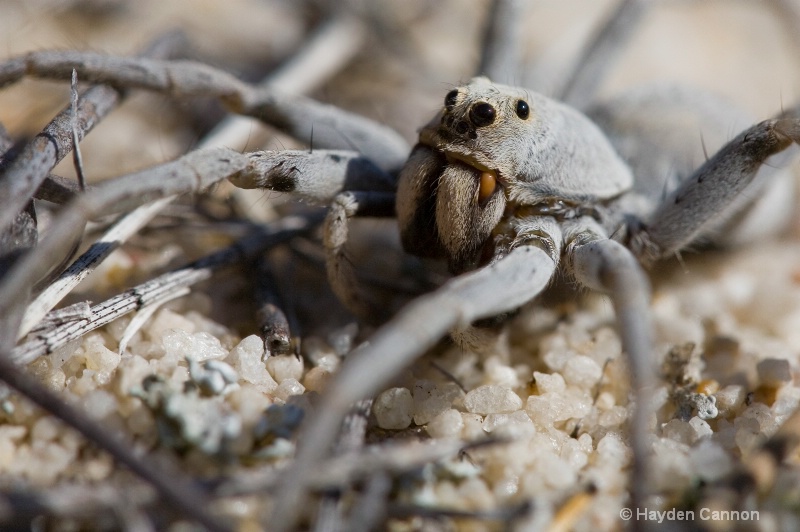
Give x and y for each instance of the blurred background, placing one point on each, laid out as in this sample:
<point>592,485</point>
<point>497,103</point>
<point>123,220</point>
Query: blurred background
<point>407,56</point>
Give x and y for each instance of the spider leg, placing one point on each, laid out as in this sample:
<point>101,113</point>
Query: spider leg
<point>698,202</point>
<point>321,176</point>
<point>507,283</point>
<point>607,266</point>
<point>342,274</point>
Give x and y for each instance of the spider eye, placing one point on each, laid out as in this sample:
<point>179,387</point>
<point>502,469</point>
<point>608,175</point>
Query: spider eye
<point>522,109</point>
<point>450,99</point>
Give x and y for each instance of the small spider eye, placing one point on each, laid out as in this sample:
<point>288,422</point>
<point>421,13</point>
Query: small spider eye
<point>522,109</point>
<point>450,99</point>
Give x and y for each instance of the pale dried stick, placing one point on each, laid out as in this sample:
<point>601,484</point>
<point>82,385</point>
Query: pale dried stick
<point>159,288</point>
<point>61,316</point>
<point>333,44</point>
<point>369,511</point>
<point>189,173</point>
<point>22,234</point>
<point>428,318</point>
<point>120,232</point>
<point>330,514</point>
<point>502,41</point>
<point>24,175</point>
<point>145,313</point>
<point>15,240</point>
<point>325,52</point>
<point>71,500</point>
<point>601,52</point>
<point>30,168</point>
<point>333,128</point>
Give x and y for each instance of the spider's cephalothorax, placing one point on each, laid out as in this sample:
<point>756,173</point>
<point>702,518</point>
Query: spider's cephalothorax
<point>490,149</point>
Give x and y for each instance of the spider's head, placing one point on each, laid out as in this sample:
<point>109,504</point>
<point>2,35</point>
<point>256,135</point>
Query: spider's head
<point>451,191</point>
<point>492,147</point>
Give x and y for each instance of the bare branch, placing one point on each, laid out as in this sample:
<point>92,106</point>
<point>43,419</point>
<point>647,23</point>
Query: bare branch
<point>296,115</point>
<point>159,288</point>
<point>23,177</point>
<point>126,227</point>
<point>189,173</point>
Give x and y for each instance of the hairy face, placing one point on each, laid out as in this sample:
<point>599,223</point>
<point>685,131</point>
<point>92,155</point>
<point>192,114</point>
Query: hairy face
<point>451,195</point>
<point>490,148</point>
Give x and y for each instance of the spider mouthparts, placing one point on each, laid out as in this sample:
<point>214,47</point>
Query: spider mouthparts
<point>487,178</point>
<point>487,186</point>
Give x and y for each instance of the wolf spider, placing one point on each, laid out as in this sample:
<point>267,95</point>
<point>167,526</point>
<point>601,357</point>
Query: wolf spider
<point>509,188</point>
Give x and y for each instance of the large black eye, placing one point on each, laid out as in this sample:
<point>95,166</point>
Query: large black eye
<point>522,109</point>
<point>450,99</point>
<point>481,114</point>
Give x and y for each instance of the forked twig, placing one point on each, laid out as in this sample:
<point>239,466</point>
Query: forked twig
<point>335,41</point>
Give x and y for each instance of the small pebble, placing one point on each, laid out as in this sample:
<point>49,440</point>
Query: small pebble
<point>394,409</point>
<point>492,398</point>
